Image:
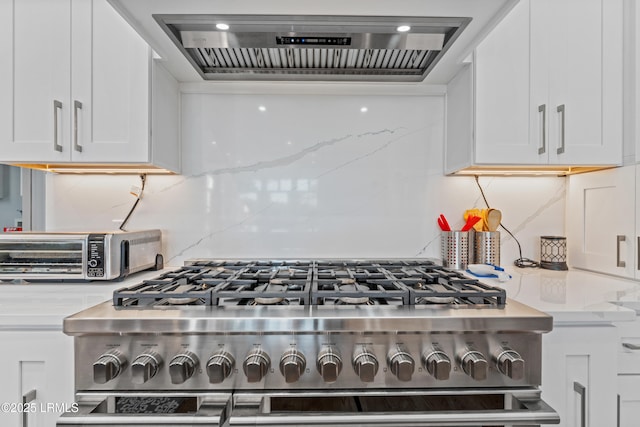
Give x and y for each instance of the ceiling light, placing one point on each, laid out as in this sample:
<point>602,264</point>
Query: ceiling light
<point>364,109</point>
<point>403,28</point>
<point>222,26</point>
<point>262,108</point>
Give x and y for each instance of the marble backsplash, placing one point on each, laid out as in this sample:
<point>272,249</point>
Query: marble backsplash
<point>298,176</point>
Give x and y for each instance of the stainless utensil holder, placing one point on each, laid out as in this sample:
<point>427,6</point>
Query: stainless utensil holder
<point>486,247</point>
<point>455,249</point>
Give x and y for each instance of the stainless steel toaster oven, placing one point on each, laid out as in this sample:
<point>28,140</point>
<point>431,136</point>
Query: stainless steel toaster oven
<point>78,256</point>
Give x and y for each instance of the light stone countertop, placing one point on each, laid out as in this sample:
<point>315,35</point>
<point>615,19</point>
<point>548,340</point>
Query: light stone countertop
<point>573,296</point>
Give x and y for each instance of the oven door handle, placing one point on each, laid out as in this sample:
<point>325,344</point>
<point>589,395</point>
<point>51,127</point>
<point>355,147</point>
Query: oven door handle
<point>533,411</point>
<point>86,414</point>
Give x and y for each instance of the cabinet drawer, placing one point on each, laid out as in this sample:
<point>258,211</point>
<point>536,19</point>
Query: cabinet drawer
<point>629,347</point>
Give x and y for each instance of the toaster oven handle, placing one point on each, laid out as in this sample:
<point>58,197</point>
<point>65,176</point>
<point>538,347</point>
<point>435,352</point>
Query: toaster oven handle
<point>124,258</point>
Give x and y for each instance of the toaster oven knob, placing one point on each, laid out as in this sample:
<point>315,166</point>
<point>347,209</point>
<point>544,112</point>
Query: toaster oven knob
<point>329,364</point>
<point>220,366</point>
<point>510,363</point>
<point>256,365</point>
<point>292,365</point>
<point>366,365</point>
<point>402,365</point>
<point>182,367</point>
<point>474,364</point>
<point>145,366</point>
<point>108,366</point>
<point>438,364</point>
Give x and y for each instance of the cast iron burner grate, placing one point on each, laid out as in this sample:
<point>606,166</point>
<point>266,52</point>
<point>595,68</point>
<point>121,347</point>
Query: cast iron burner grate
<point>325,282</point>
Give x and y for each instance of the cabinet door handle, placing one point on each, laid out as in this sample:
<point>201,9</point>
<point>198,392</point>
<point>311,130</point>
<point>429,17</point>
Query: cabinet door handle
<point>77,105</point>
<point>638,251</point>
<point>560,110</point>
<point>28,397</point>
<point>543,109</point>
<point>57,106</point>
<point>630,346</point>
<point>620,239</point>
<point>582,391</point>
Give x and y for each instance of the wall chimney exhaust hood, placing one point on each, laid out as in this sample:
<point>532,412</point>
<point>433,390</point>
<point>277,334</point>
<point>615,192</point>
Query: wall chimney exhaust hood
<point>302,40</point>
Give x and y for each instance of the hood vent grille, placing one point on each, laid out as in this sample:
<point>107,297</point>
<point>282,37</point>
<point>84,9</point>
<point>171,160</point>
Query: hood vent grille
<point>312,48</point>
<point>312,61</point>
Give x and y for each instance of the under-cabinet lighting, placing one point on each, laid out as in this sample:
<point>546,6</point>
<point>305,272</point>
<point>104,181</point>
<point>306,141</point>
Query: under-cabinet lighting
<point>527,170</point>
<point>222,26</point>
<point>403,28</point>
<point>90,168</point>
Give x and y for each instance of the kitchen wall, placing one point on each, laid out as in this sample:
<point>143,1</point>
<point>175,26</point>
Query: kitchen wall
<point>307,176</point>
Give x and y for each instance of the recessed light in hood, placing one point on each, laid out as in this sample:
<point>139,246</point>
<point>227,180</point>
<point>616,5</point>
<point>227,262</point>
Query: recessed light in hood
<point>336,48</point>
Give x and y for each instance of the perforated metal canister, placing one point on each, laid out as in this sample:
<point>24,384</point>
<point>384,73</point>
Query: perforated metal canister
<point>455,249</point>
<point>486,247</point>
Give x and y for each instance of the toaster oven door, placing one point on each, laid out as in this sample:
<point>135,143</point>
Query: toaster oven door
<point>30,257</point>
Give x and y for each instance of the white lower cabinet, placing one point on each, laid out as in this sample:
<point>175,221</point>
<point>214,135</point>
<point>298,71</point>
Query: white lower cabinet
<point>603,213</point>
<point>629,373</point>
<point>579,374</point>
<point>36,368</point>
<point>629,400</point>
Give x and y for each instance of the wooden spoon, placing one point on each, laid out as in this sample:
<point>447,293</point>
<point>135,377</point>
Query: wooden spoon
<point>494,217</point>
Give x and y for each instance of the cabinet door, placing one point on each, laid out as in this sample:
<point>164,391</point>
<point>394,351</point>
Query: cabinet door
<point>600,221</point>
<point>34,80</point>
<point>635,262</point>
<point>579,375</point>
<point>502,93</point>
<point>629,392</point>
<point>111,68</point>
<point>40,361</point>
<point>585,84</point>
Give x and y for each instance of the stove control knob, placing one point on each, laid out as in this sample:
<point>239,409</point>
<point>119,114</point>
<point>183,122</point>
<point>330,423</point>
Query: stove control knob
<point>220,366</point>
<point>366,365</point>
<point>256,365</point>
<point>438,364</point>
<point>510,363</point>
<point>329,364</point>
<point>145,366</point>
<point>474,364</point>
<point>108,366</point>
<point>182,367</point>
<point>401,364</point>
<point>292,365</point>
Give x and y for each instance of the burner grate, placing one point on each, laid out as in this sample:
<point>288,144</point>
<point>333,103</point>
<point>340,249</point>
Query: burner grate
<point>326,282</point>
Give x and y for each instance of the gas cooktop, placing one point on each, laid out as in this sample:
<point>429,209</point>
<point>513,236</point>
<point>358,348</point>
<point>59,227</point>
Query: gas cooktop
<point>255,283</point>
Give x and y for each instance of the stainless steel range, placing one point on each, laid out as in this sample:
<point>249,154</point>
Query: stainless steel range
<point>314,343</point>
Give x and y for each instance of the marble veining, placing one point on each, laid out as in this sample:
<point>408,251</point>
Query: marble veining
<point>300,176</point>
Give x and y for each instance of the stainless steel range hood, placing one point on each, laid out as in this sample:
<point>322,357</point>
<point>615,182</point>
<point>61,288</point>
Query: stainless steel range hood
<point>294,42</point>
<point>252,47</point>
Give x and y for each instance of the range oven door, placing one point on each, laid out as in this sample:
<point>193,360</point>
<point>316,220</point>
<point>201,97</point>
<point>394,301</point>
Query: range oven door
<point>147,409</point>
<point>521,407</point>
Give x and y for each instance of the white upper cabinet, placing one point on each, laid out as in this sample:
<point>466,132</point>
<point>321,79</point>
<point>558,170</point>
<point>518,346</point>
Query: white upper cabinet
<point>576,63</point>
<point>502,92</point>
<point>35,79</point>
<point>547,87</point>
<point>79,88</point>
<point>111,79</point>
